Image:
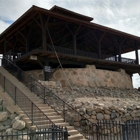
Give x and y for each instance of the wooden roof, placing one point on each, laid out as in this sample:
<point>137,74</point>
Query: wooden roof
<point>69,17</point>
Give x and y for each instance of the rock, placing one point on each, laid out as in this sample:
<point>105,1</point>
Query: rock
<point>89,111</point>
<point>93,120</point>
<point>3,116</point>
<point>1,101</point>
<point>2,127</point>
<point>19,117</point>
<point>107,112</point>
<point>98,110</point>
<point>83,122</point>
<point>82,111</point>
<point>77,118</point>
<point>99,116</point>
<point>93,116</point>
<point>1,107</point>
<point>9,131</point>
<point>77,124</point>
<point>7,122</point>
<point>106,117</point>
<point>18,125</point>
<point>113,115</point>
<point>87,116</point>
<point>78,105</point>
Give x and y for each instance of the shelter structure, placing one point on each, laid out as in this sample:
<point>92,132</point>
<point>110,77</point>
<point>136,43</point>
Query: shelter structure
<point>40,36</point>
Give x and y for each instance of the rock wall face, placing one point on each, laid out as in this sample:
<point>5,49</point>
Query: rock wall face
<point>88,77</point>
<point>92,77</point>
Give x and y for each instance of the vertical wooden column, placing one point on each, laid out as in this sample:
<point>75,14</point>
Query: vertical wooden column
<point>5,44</point>
<point>99,46</point>
<point>115,54</point>
<point>74,45</point>
<point>27,39</point>
<point>27,45</point>
<point>99,50</point>
<point>136,53</point>
<point>44,44</point>
<point>119,52</point>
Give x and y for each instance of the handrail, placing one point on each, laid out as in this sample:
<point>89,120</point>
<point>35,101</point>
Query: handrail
<point>16,98</point>
<point>45,90</point>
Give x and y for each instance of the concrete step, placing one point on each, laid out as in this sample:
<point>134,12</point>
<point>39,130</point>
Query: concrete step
<point>57,120</point>
<point>62,124</point>
<point>73,132</point>
<point>54,117</point>
<point>41,108</point>
<point>51,114</point>
<point>75,137</point>
<point>70,128</point>
<point>37,111</point>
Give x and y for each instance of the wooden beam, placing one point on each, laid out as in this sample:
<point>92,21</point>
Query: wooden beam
<point>5,46</point>
<point>99,47</point>
<point>136,53</point>
<point>74,45</point>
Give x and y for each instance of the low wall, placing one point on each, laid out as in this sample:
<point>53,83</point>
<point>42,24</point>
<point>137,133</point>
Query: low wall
<point>92,77</point>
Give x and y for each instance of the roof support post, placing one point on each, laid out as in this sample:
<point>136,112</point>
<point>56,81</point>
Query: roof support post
<point>43,24</point>
<point>5,45</point>
<point>27,39</point>
<point>119,50</point>
<point>115,55</point>
<point>99,47</point>
<point>44,44</point>
<point>74,45</point>
<point>99,50</point>
<point>136,53</point>
<point>27,45</point>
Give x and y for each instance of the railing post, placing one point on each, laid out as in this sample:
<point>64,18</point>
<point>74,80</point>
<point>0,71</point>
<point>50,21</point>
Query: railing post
<point>64,111</point>
<point>32,112</point>
<point>123,131</point>
<point>31,84</point>
<point>65,134</point>
<point>44,96</point>
<point>15,95</point>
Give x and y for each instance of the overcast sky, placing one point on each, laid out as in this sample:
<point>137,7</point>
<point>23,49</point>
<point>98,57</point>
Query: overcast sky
<point>122,15</point>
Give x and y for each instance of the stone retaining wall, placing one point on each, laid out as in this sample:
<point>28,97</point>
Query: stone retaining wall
<point>89,76</point>
<point>92,77</point>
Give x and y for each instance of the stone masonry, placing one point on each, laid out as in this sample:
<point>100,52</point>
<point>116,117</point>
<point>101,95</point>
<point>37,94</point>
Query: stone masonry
<point>88,77</point>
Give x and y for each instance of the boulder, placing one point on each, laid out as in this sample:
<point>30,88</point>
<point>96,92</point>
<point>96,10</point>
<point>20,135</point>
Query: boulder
<point>1,101</point>
<point>113,115</point>
<point>18,125</point>
<point>89,111</point>
<point>1,127</point>
<point>106,117</point>
<point>107,112</point>
<point>3,116</point>
<point>99,116</point>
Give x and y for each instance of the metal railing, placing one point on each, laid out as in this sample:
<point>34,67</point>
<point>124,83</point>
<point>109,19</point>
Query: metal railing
<point>54,133</point>
<point>51,99</point>
<point>29,108</point>
<point>61,49</point>
<point>102,130</point>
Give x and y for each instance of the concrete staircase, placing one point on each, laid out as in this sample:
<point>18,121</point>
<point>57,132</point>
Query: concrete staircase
<point>47,110</point>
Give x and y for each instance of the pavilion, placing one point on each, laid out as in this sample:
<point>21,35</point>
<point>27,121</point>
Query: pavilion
<point>40,36</point>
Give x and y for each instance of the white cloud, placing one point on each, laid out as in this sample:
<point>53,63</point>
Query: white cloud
<point>3,26</point>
